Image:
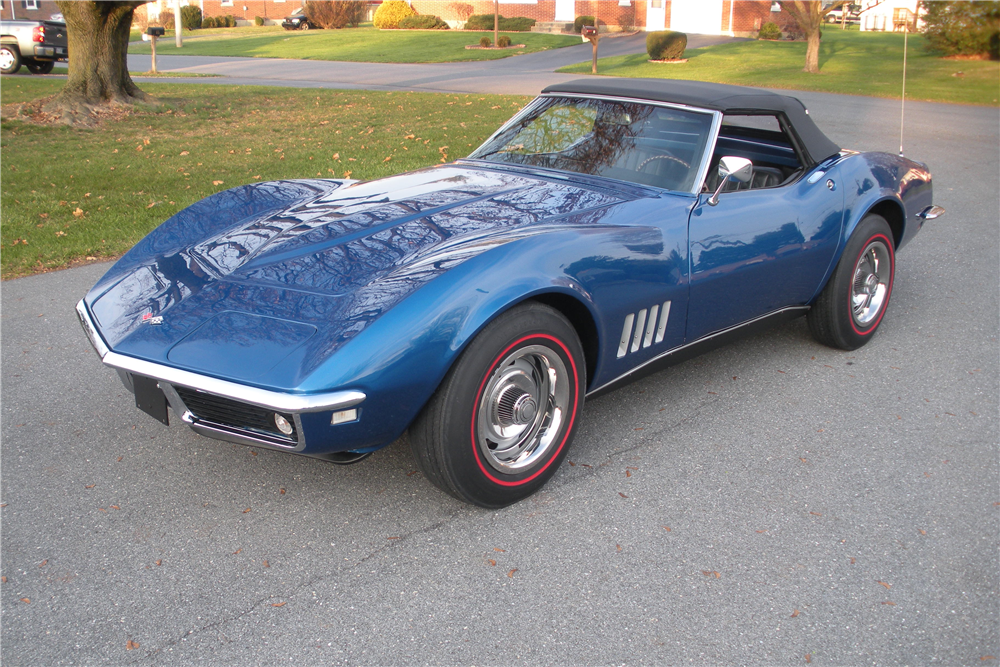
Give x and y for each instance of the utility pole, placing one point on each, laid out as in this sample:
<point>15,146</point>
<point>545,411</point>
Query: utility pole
<point>496,21</point>
<point>178,41</point>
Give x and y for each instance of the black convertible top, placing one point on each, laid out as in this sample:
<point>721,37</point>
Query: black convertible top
<point>714,96</point>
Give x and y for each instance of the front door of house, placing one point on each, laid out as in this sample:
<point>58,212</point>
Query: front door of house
<point>565,10</point>
<point>696,16</point>
<point>655,15</point>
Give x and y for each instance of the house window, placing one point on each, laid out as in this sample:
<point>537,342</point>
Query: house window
<point>30,4</point>
<point>227,3</point>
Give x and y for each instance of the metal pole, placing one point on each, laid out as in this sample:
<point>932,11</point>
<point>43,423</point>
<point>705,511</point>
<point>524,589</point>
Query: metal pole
<point>152,43</point>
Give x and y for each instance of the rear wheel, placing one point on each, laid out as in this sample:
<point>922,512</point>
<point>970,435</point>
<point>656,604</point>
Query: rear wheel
<point>10,59</point>
<point>502,420</point>
<point>39,66</point>
<point>851,306</point>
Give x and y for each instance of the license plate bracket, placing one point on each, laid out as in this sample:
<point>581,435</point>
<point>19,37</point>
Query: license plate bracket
<point>150,399</point>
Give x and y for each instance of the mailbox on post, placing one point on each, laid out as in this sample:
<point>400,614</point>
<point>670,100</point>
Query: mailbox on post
<point>153,33</point>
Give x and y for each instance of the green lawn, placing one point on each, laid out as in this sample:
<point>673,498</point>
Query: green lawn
<point>94,193</point>
<point>851,62</point>
<point>363,44</point>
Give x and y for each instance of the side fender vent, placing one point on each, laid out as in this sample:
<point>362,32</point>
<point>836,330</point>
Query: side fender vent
<point>644,328</point>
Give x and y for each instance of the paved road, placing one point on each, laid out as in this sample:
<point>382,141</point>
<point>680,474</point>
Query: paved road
<point>523,75</point>
<point>840,506</point>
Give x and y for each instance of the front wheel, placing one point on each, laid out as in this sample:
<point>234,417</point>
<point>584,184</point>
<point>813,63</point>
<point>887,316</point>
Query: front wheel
<point>502,420</point>
<point>10,59</point>
<point>851,306</point>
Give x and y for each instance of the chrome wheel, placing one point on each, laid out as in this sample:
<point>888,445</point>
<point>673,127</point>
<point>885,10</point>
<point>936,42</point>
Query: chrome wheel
<point>522,408</point>
<point>870,286</point>
<point>7,59</point>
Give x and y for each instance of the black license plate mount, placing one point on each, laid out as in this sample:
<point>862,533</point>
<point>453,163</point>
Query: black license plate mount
<point>150,399</point>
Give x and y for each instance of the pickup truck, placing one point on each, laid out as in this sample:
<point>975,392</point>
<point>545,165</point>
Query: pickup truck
<point>35,44</point>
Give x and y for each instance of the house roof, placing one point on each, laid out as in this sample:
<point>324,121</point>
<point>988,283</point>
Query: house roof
<point>714,96</point>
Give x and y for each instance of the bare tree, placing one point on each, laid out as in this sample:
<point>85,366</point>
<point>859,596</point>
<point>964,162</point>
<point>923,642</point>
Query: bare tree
<point>98,34</point>
<point>809,15</point>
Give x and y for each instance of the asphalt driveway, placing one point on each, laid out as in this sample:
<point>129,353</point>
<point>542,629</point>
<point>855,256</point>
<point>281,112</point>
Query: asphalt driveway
<point>774,502</point>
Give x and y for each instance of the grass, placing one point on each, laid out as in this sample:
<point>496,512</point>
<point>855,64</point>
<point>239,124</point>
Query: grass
<point>363,44</point>
<point>112,186</point>
<point>851,63</point>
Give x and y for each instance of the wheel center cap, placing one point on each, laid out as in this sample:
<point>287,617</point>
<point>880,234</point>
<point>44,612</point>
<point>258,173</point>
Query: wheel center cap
<point>524,409</point>
<point>515,407</point>
<point>871,284</point>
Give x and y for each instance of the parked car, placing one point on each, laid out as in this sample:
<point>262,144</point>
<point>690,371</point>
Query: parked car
<point>853,14</point>
<point>35,44</point>
<point>297,21</point>
<point>611,228</point>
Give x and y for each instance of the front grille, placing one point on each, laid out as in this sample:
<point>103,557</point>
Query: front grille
<point>227,412</point>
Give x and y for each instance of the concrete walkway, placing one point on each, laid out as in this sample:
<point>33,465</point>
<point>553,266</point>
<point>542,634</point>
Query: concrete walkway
<point>522,75</point>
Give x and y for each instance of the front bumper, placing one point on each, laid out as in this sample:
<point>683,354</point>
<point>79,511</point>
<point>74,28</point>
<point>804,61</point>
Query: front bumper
<point>222,409</point>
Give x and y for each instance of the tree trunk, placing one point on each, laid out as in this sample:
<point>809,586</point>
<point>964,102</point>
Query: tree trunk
<point>97,34</point>
<point>812,52</point>
<point>809,15</point>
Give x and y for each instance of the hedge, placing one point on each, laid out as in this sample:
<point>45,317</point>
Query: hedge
<point>582,21</point>
<point>769,30</point>
<point>423,22</point>
<point>513,24</point>
<point>666,45</point>
<point>190,17</point>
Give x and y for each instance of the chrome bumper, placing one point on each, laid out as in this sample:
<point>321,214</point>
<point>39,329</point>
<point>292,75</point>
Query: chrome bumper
<point>264,398</point>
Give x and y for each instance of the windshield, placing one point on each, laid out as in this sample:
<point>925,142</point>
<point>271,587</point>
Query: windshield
<point>629,141</point>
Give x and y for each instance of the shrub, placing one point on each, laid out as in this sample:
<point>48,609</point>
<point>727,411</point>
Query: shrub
<point>485,42</point>
<point>424,22</point>
<point>190,17</point>
<point>461,10</point>
<point>503,41</point>
<point>390,13</point>
<point>626,20</point>
<point>666,45</point>
<point>336,14</point>
<point>230,21</point>
<point>582,21</point>
<point>165,20</point>
<point>208,22</point>
<point>962,28</point>
<point>769,30</point>
<point>513,24</point>
<point>258,21</point>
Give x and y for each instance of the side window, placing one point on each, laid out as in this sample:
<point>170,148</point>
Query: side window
<point>762,140</point>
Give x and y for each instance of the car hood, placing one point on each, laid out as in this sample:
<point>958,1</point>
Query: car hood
<point>301,267</point>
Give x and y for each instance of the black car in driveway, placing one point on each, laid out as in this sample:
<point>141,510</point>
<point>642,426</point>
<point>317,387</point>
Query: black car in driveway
<point>297,21</point>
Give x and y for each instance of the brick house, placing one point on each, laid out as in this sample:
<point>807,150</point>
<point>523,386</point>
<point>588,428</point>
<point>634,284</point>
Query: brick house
<point>39,10</point>
<point>710,17</point>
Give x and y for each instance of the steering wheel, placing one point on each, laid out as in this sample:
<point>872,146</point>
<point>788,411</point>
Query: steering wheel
<point>665,156</point>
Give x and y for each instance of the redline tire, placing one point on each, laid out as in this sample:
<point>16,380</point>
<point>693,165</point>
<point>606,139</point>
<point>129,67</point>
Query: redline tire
<point>851,306</point>
<point>504,416</point>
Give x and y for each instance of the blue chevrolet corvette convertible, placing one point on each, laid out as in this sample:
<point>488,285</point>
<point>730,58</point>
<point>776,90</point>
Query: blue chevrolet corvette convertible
<point>611,228</point>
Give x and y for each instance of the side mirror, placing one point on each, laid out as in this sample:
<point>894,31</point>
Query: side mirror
<point>732,168</point>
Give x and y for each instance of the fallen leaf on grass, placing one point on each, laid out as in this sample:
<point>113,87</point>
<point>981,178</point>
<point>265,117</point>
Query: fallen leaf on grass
<point>795,614</point>
<point>510,575</point>
<point>217,182</point>
<point>78,213</point>
<point>387,159</point>
<point>279,604</point>
<point>185,153</point>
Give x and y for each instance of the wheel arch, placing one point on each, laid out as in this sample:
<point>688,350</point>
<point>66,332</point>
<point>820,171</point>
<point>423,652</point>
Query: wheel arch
<point>579,315</point>
<point>892,211</point>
